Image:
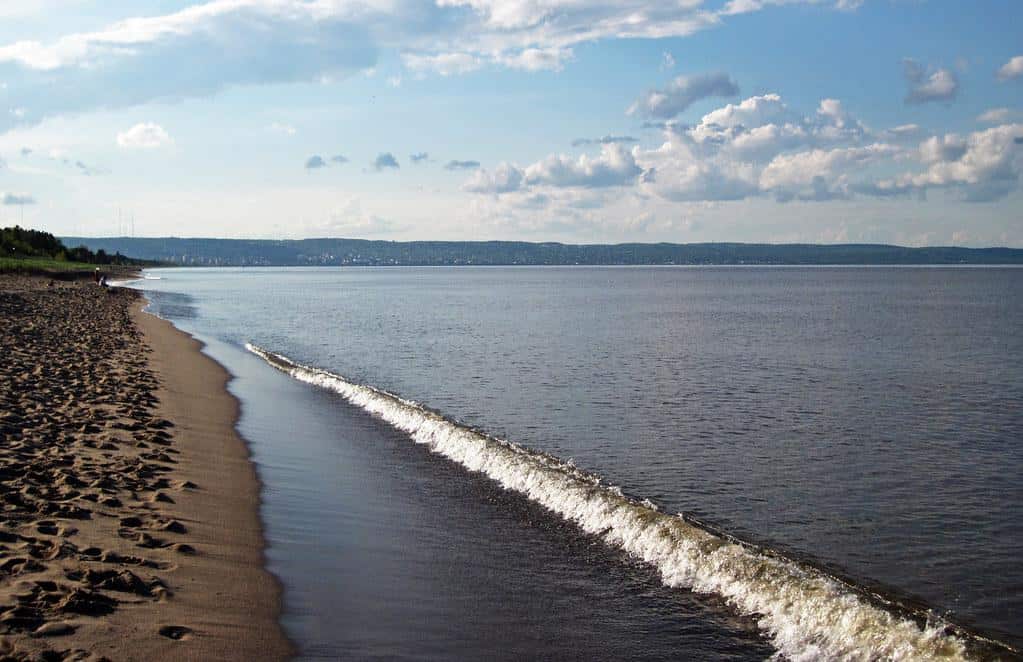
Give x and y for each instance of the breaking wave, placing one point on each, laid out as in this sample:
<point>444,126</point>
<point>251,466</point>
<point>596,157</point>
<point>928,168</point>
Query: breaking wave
<point>807,613</point>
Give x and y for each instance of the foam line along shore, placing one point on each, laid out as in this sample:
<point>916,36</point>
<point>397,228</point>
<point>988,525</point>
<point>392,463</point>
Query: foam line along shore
<point>805,612</point>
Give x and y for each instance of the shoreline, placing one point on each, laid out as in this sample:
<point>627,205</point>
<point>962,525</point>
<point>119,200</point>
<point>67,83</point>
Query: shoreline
<point>193,391</point>
<point>131,524</point>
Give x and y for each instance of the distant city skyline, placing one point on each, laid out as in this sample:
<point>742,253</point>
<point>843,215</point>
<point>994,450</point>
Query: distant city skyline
<point>830,121</point>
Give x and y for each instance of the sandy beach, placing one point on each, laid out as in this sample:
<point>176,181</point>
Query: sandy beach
<point>130,525</point>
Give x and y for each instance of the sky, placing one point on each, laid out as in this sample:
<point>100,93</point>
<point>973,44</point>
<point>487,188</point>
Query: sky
<point>601,121</point>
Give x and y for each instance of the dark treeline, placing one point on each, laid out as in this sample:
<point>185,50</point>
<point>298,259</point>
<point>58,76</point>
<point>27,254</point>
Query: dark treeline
<point>360,252</point>
<point>18,242</point>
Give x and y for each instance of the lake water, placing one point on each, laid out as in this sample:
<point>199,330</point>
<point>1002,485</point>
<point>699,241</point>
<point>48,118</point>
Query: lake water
<point>491,462</point>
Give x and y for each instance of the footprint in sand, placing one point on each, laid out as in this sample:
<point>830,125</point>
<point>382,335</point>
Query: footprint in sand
<point>176,632</point>
<point>53,629</point>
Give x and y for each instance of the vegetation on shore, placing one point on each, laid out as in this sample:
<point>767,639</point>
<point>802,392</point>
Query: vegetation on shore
<point>27,251</point>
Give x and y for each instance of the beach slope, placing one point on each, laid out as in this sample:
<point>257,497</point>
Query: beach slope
<point>130,526</point>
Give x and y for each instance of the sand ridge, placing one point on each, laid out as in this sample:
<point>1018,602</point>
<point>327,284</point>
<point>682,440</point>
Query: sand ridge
<point>129,526</point>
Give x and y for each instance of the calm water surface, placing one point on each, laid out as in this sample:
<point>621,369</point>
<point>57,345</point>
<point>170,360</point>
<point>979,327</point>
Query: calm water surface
<point>866,419</point>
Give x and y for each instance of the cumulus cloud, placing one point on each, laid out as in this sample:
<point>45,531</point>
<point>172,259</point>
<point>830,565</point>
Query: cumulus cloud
<point>144,136</point>
<point>760,127</point>
<point>614,166</point>
<point>681,93</point>
<point>679,180</point>
<point>950,147</point>
<point>603,140</point>
<point>819,174</point>
<point>723,157</point>
<point>929,85</point>
<point>505,178</point>
<point>760,147</point>
<point>17,199</point>
<point>385,160</point>
<point>983,166</point>
<point>462,165</point>
<point>1011,69</point>
<point>315,162</point>
<point>419,157</point>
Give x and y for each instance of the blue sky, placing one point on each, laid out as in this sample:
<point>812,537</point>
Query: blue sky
<point>895,121</point>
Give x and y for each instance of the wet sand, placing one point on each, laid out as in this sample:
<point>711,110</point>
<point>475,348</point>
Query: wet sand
<point>130,527</point>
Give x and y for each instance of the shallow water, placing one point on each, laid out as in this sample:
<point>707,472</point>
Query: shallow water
<point>865,419</point>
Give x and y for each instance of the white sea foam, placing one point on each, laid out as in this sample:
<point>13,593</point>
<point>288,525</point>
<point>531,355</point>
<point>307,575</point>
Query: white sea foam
<point>807,614</point>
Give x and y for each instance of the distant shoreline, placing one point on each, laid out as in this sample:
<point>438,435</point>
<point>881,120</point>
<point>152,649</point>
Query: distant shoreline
<point>174,251</point>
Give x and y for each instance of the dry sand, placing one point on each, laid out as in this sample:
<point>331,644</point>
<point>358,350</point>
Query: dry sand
<point>129,526</point>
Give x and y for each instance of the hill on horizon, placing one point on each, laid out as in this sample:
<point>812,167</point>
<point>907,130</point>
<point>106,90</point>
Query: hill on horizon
<point>363,252</point>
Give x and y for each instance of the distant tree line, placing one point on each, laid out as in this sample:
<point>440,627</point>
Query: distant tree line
<point>19,242</point>
<point>359,252</point>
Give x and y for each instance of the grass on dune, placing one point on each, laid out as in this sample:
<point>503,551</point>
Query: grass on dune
<point>41,265</point>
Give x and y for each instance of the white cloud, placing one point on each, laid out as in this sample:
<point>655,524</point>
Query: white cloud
<point>760,147</point>
<point>614,166</point>
<point>681,93</point>
<point>1011,69</point>
<point>984,165</point>
<point>753,111</point>
<point>746,6</point>
<point>192,52</point>
<point>679,180</point>
<point>950,147</point>
<point>813,175</point>
<point>731,154</point>
<point>904,132</point>
<point>929,85</point>
<point>536,59</point>
<point>760,127</point>
<point>503,179</point>
<point>216,44</point>
<point>143,136</point>
<point>998,116</point>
